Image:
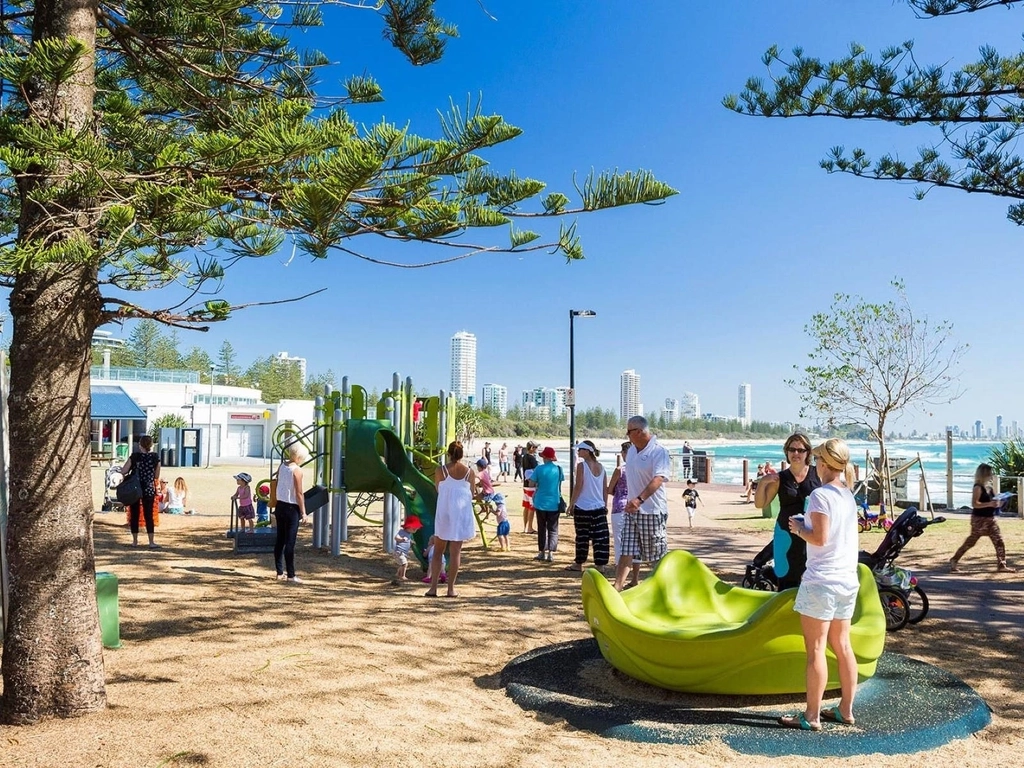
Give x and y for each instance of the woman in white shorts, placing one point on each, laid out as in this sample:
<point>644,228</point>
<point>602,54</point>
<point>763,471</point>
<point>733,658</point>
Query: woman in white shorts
<point>828,589</point>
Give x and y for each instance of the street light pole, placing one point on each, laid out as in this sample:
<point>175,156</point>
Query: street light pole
<point>209,434</point>
<point>573,314</point>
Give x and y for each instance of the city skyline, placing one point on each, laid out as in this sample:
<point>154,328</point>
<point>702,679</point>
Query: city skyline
<point>710,310</point>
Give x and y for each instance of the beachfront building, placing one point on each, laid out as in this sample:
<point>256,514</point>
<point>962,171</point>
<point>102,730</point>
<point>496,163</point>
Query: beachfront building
<point>743,405</point>
<point>670,413</point>
<point>545,400</point>
<point>629,395</point>
<point>690,406</point>
<point>463,367</point>
<point>234,421</point>
<point>495,399</point>
<point>978,430</point>
<point>298,362</point>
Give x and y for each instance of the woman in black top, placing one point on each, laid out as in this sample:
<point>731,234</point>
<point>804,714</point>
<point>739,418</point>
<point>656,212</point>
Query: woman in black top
<point>983,519</point>
<point>793,485</point>
<point>147,464</point>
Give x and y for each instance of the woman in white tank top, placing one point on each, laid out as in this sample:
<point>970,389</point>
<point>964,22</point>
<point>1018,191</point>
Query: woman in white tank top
<point>454,521</point>
<point>589,513</point>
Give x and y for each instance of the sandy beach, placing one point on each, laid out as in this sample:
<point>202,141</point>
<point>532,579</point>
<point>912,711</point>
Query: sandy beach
<point>221,665</point>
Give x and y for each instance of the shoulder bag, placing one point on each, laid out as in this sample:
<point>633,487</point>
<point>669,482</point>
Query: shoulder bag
<point>129,490</point>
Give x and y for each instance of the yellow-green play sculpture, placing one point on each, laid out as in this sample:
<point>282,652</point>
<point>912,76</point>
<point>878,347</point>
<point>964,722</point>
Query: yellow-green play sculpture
<point>686,630</point>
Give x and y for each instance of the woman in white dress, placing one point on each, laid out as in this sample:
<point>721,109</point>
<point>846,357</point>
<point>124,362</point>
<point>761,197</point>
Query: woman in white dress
<point>453,522</point>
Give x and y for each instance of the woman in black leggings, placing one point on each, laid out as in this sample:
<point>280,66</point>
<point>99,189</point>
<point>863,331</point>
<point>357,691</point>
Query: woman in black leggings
<point>290,511</point>
<point>147,464</point>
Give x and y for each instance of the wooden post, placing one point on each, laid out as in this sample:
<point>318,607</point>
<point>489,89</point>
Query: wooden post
<point>949,469</point>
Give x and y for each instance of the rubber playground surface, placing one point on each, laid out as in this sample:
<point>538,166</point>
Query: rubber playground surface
<point>222,665</point>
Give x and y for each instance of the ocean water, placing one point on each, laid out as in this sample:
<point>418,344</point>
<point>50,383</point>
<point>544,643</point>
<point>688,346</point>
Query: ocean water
<point>728,463</point>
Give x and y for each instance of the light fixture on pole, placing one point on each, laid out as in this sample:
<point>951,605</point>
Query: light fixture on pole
<point>571,398</point>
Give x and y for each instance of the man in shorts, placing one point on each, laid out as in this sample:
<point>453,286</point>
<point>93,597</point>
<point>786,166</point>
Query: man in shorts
<point>644,531</point>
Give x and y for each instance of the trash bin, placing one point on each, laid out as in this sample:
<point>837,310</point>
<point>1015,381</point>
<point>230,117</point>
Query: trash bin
<point>171,459</point>
<point>106,601</point>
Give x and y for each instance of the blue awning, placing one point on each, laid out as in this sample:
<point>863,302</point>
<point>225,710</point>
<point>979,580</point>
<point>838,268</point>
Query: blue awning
<point>113,403</point>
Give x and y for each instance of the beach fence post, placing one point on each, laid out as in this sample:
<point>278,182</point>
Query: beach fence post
<point>949,469</point>
<point>746,472</point>
<point>1020,496</point>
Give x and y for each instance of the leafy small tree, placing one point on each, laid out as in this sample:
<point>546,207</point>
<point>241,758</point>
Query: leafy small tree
<point>168,420</point>
<point>872,361</point>
<point>227,361</point>
<point>468,421</point>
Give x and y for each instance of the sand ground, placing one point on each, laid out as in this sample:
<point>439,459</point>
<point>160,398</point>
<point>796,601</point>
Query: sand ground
<point>222,665</point>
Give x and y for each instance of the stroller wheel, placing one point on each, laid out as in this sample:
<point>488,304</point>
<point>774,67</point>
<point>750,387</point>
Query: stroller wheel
<point>918,601</point>
<point>895,607</point>
<point>765,585</point>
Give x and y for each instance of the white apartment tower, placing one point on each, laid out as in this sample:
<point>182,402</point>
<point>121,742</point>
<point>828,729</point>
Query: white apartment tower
<point>496,399</point>
<point>671,410</point>
<point>629,394</point>
<point>690,406</point>
<point>463,384</point>
<point>298,362</point>
<point>743,405</point>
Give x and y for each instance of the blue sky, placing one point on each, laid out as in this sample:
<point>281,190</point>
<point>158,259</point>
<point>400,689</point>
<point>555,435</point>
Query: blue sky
<point>702,293</point>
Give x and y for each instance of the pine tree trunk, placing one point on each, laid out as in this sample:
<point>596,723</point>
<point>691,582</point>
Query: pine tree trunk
<point>53,655</point>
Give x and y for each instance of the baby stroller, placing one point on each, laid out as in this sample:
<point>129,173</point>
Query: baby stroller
<point>760,574</point>
<point>111,479</point>
<point>902,598</point>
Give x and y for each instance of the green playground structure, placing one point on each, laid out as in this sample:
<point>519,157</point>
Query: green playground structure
<point>391,457</point>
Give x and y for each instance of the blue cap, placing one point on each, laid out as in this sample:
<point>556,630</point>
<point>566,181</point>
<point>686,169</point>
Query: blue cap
<point>498,498</point>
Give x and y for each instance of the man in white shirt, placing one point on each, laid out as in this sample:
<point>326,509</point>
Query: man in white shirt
<point>644,532</point>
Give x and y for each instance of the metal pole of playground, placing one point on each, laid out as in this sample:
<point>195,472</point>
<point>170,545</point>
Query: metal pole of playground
<point>337,491</point>
<point>324,465</point>
<point>397,425</point>
<point>389,499</point>
<point>318,420</point>
<point>573,314</point>
<point>346,414</point>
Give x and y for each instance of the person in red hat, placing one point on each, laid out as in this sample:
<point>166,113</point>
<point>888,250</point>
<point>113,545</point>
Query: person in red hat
<point>548,503</point>
<point>403,545</point>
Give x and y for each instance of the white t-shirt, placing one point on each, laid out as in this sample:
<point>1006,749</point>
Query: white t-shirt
<point>642,467</point>
<point>835,563</point>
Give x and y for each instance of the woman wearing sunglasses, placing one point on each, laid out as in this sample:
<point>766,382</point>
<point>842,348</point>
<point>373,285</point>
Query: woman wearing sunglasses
<point>793,486</point>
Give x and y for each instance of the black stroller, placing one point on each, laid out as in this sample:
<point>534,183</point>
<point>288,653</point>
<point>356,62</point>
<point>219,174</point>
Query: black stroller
<point>902,597</point>
<point>112,478</point>
<point>903,600</point>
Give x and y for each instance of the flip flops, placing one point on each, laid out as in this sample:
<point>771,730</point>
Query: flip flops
<point>799,722</point>
<point>833,715</point>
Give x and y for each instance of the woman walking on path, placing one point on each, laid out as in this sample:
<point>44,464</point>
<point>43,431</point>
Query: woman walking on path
<point>147,464</point>
<point>503,466</point>
<point>589,513</point>
<point>547,482</point>
<point>828,590</point>
<point>793,486</point>
<point>289,511</point>
<point>454,522</point>
<point>983,519</point>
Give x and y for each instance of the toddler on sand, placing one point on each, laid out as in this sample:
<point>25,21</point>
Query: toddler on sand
<point>403,546</point>
<point>504,527</point>
<point>690,498</point>
<point>243,494</point>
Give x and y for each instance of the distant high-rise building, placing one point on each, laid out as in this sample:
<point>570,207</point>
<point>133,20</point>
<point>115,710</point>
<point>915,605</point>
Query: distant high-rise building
<point>743,405</point>
<point>553,400</point>
<point>978,427</point>
<point>496,399</point>
<point>298,362</point>
<point>671,410</point>
<point>690,408</point>
<point>463,384</point>
<point>629,394</point>
<point>999,427</point>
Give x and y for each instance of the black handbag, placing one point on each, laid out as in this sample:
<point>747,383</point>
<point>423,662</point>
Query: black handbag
<point>129,490</point>
<point>561,505</point>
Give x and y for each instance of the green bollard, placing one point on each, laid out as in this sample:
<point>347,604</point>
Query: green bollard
<point>106,600</point>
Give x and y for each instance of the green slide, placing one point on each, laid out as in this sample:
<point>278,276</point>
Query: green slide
<point>376,461</point>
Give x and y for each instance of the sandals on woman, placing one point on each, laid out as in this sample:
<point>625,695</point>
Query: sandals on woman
<point>833,715</point>
<point>799,722</point>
